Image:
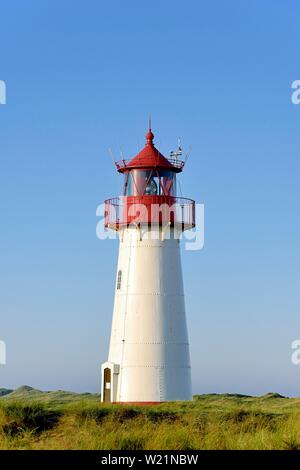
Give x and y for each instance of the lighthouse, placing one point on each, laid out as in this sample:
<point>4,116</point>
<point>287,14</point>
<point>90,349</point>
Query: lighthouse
<point>148,359</point>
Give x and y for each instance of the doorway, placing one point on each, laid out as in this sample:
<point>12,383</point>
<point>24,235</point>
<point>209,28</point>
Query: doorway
<point>107,385</point>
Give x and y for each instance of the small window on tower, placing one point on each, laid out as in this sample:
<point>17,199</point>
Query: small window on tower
<point>119,279</point>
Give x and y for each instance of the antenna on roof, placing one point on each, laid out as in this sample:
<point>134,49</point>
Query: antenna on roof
<point>112,155</point>
<point>188,154</point>
<point>178,152</point>
<point>122,156</point>
<point>149,122</point>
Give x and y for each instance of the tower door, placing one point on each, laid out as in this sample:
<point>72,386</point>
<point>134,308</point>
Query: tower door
<point>107,385</point>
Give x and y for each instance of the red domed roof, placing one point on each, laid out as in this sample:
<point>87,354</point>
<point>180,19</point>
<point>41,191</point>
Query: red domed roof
<point>150,157</point>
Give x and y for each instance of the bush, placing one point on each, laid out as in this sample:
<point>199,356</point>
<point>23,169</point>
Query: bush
<point>251,421</point>
<point>124,414</point>
<point>157,416</point>
<point>31,417</point>
<point>96,413</point>
<point>119,414</point>
<point>201,422</point>
<point>131,443</point>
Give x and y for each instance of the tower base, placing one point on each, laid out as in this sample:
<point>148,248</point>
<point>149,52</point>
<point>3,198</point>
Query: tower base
<point>149,352</point>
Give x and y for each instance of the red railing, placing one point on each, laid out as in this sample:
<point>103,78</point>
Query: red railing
<point>163,210</point>
<point>123,164</point>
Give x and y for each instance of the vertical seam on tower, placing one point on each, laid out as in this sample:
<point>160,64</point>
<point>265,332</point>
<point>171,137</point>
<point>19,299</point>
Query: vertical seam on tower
<point>125,313</point>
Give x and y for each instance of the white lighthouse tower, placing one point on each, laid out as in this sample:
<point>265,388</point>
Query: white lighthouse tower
<point>148,358</point>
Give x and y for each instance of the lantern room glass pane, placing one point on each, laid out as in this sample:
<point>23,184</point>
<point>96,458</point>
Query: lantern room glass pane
<point>136,182</point>
<point>150,182</point>
<point>168,182</point>
<point>152,186</point>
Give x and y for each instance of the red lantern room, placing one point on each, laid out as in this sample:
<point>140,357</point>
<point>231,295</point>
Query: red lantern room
<point>149,193</point>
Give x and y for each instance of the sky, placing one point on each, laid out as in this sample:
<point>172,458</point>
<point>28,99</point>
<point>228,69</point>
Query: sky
<point>82,77</point>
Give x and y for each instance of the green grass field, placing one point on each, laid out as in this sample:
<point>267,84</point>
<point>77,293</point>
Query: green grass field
<point>31,419</point>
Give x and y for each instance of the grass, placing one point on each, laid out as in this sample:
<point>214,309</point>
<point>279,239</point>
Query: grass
<point>30,419</point>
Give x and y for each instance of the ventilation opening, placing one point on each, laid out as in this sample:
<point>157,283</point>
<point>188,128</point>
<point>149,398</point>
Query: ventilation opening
<point>119,279</point>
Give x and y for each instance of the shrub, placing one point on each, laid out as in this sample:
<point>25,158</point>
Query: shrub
<point>30,417</point>
<point>157,416</point>
<point>131,443</point>
<point>124,414</point>
<point>250,421</point>
<point>96,413</point>
<point>292,443</point>
<point>201,422</point>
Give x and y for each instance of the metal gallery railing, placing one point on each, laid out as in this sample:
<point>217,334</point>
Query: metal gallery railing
<point>149,209</point>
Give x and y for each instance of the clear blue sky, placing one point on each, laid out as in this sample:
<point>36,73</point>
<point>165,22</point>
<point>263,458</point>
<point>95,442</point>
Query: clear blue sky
<point>83,76</point>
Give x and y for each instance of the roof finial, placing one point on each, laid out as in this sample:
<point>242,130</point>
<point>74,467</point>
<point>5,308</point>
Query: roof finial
<point>149,135</point>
